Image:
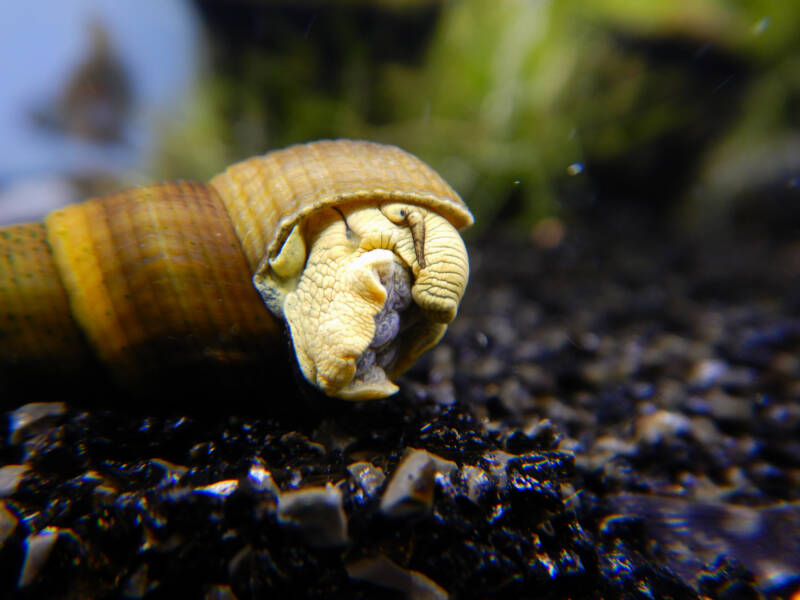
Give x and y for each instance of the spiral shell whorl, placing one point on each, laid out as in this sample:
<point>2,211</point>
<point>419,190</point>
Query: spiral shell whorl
<point>35,321</point>
<point>155,277</point>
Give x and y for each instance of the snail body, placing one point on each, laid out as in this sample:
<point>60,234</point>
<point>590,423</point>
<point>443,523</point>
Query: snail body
<point>354,245</point>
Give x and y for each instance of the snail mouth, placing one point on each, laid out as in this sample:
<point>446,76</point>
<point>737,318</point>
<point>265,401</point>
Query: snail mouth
<point>402,333</point>
<point>371,377</point>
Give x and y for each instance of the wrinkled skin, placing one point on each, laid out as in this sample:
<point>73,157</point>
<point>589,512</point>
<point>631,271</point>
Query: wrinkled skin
<point>354,321</point>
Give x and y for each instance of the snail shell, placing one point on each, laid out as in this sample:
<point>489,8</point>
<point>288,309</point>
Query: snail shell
<point>353,244</point>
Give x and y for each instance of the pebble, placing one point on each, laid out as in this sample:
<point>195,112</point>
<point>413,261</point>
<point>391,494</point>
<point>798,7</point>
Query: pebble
<point>382,572</point>
<point>220,488</point>
<point>476,481</point>
<point>705,431</point>
<point>662,424</point>
<point>410,489</point>
<point>443,393</point>
<point>535,377</point>
<point>731,409</point>
<point>260,480</point>
<point>500,329</point>
<point>32,418</point>
<point>488,368</point>
<point>10,477</point>
<point>541,467</point>
<point>367,478</point>
<point>608,446</point>
<point>495,462</point>
<point>8,524</point>
<point>529,351</point>
<point>317,514</point>
<point>442,364</point>
<point>515,397</point>
<point>171,473</point>
<point>38,547</point>
<point>706,373</point>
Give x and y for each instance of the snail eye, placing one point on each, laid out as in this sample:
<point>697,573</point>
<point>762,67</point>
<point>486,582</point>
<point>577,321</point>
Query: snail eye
<point>397,213</point>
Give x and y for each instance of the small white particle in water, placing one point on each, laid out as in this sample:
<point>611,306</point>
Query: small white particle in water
<point>761,26</point>
<point>575,168</point>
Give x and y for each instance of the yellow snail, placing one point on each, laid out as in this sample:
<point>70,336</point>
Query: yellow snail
<point>354,244</point>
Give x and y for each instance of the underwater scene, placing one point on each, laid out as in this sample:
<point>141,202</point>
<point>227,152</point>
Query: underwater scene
<point>414,299</point>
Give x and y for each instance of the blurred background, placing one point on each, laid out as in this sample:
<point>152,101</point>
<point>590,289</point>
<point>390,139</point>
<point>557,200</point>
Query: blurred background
<point>544,115</point>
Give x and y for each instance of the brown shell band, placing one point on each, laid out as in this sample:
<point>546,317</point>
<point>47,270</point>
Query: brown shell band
<point>157,280</point>
<point>36,325</point>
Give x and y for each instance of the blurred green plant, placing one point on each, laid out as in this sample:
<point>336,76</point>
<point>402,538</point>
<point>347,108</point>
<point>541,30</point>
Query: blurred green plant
<point>508,100</point>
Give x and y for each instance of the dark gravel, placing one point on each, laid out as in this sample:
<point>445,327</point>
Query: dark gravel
<point>615,418</point>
